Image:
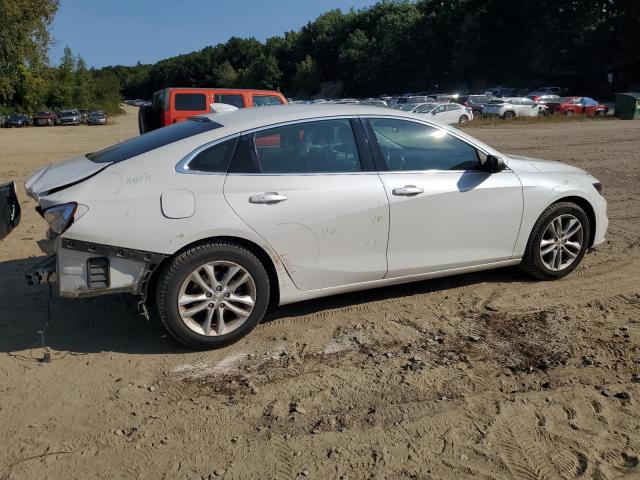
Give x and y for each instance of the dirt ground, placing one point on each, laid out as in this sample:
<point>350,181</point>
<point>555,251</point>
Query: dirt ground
<point>481,376</point>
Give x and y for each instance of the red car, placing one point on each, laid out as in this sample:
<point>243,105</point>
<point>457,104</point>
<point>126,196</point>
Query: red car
<point>45,119</point>
<point>579,106</point>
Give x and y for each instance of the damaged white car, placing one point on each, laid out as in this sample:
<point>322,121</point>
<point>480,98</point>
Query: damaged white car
<point>212,220</point>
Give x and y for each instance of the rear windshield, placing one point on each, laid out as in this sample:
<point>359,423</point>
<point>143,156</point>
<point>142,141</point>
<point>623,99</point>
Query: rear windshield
<point>152,140</point>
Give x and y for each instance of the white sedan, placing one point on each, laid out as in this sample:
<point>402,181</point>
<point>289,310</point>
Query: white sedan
<point>449,113</point>
<point>511,107</point>
<point>211,220</point>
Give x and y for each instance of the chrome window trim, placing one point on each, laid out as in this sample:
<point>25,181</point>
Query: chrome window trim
<point>183,165</point>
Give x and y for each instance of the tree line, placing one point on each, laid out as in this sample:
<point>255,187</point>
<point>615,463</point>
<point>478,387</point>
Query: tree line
<point>402,46</point>
<point>28,83</point>
<point>393,46</point>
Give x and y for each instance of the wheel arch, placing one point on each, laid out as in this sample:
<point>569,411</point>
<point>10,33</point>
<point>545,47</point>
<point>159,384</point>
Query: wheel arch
<point>588,210</point>
<point>253,247</point>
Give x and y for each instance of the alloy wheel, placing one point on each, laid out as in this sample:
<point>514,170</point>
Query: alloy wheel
<point>216,298</point>
<point>561,242</point>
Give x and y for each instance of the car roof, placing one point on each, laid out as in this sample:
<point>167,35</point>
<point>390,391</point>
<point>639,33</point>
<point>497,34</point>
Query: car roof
<point>246,119</point>
<point>249,118</point>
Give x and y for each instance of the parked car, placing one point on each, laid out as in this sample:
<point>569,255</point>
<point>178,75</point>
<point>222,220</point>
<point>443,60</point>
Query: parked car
<point>97,117</point>
<point>511,107</point>
<point>69,117</point>
<point>45,119</point>
<point>226,214</point>
<point>545,99</point>
<point>173,105</point>
<point>18,120</point>
<point>475,102</point>
<point>449,113</point>
<point>582,106</point>
<point>546,91</point>
<point>501,92</point>
<point>414,99</point>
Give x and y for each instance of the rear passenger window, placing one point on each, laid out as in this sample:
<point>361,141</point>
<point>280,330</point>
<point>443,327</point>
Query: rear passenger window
<point>214,159</point>
<point>411,146</point>
<point>229,99</point>
<point>190,101</point>
<point>326,146</point>
<point>264,100</point>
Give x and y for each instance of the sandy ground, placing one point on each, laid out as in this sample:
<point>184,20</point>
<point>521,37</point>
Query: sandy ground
<point>482,376</point>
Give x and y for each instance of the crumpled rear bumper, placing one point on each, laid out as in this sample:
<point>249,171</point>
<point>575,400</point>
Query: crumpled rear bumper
<point>83,269</point>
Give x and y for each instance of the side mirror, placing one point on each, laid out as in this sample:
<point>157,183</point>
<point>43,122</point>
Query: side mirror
<point>433,112</point>
<point>493,164</point>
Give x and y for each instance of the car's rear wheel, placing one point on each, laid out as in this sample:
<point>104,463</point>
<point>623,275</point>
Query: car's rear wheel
<point>600,113</point>
<point>509,114</point>
<point>569,113</point>
<point>558,241</point>
<point>212,294</point>
<point>463,119</point>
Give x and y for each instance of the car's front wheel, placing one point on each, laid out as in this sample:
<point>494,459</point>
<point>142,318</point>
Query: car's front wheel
<point>212,294</point>
<point>509,114</point>
<point>463,119</point>
<point>558,241</point>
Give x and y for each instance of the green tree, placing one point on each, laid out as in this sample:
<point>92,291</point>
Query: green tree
<point>24,41</point>
<point>61,94</point>
<point>84,87</point>
<point>263,72</point>
<point>306,81</point>
<point>226,76</point>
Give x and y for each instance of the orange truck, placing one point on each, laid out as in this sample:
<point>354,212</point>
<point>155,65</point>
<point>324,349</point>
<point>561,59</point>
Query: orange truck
<point>172,105</point>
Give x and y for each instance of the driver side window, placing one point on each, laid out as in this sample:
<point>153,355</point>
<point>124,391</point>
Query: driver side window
<point>411,146</point>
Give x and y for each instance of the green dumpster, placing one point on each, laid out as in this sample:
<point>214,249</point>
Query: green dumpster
<point>627,106</point>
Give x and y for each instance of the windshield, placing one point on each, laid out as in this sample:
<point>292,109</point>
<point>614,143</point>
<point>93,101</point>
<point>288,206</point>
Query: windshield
<point>152,140</point>
<point>407,107</point>
<point>426,108</point>
<point>68,112</point>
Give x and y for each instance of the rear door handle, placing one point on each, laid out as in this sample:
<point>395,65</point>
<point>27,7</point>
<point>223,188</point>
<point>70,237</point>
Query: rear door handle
<point>267,198</point>
<point>408,191</point>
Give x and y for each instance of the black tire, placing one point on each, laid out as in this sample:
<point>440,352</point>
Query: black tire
<point>463,119</point>
<point>569,113</point>
<point>532,262</point>
<point>509,114</point>
<point>147,119</point>
<point>177,270</point>
<point>600,113</point>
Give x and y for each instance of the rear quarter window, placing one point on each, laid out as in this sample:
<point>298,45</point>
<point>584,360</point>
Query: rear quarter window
<point>152,140</point>
<point>190,101</point>
<point>230,99</point>
<point>265,100</point>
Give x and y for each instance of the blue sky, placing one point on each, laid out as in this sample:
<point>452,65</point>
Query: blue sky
<point>121,32</point>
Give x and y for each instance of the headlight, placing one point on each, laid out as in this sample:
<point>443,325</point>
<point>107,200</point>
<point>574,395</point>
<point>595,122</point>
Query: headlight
<point>60,217</point>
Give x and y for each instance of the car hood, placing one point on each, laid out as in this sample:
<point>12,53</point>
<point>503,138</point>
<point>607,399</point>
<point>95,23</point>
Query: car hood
<point>60,175</point>
<point>545,166</point>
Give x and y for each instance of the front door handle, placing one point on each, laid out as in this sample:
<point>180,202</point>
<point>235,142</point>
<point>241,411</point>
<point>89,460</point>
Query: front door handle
<point>408,191</point>
<point>267,198</point>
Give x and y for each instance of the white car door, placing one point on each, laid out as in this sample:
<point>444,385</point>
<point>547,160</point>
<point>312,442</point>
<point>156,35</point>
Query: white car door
<point>440,113</point>
<point>529,108</point>
<point>310,190</point>
<point>454,112</point>
<point>445,211</point>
